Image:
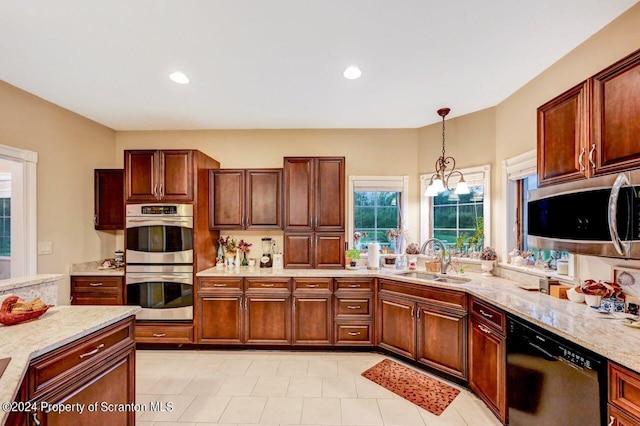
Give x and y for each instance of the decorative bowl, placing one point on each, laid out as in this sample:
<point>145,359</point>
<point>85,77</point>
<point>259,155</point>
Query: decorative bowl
<point>11,318</point>
<point>574,296</point>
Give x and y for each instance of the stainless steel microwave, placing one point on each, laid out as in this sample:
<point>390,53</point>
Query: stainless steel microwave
<point>598,216</point>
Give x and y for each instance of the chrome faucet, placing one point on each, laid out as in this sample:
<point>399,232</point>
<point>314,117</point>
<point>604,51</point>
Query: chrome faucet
<point>445,257</point>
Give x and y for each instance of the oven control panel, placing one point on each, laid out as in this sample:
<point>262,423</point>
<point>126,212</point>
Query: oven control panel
<point>159,209</point>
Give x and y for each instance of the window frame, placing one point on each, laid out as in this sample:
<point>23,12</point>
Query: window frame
<point>376,183</point>
<point>479,173</point>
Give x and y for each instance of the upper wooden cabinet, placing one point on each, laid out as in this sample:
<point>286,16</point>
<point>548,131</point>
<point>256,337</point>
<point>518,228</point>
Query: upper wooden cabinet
<point>563,136</point>
<point>108,199</point>
<point>245,199</point>
<point>165,175</point>
<point>314,193</point>
<point>591,129</point>
<point>616,116</point>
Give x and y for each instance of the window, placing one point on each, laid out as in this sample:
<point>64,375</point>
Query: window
<point>376,204</point>
<point>460,221</point>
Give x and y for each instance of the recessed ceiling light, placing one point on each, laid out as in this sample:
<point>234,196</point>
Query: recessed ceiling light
<point>179,77</point>
<point>352,72</point>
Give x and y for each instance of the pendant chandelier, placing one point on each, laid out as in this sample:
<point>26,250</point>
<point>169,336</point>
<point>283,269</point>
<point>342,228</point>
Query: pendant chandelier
<point>439,181</point>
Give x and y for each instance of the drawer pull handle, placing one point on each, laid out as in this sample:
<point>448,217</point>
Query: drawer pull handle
<point>36,421</point>
<point>95,284</point>
<point>219,285</point>
<point>312,285</point>
<point>486,315</point>
<point>93,352</point>
<point>267,285</point>
<point>159,334</point>
<point>353,285</point>
<point>354,333</point>
<point>353,306</point>
<point>484,329</point>
<point>613,420</point>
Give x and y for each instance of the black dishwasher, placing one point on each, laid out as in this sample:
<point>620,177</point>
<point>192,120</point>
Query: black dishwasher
<point>551,381</point>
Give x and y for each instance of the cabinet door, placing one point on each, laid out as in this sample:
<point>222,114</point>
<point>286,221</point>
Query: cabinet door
<point>220,318</point>
<point>442,340</point>
<point>226,208</point>
<point>563,136</point>
<point>298,250</point>
<point>108,199</point>
<point>329,250</point>
<point>487,367</point>
<point>141,175</point>
<point>299,193</point>
<point>112,384</point>
<point>263,199</point>
<point>329,194</point>
<point>176,175</point>
<point>312,319</point>
<point>616,117</point>
<point>397,325</point>
<point>267,319</point>
<point>620,418</point>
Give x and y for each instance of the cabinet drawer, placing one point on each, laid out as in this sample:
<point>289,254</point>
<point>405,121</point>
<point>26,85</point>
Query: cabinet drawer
<point>354,333</point>
<point>346,307</point>
<point>220,283</point>
<point>434,295</point>
<point>95,284</point>
<point>354,284</point>
<point>488,315</point>
<point>266,284</point>
<point>170,333</point>
<point>65,364</point>
<point>312,284</point>
<point>624,390</point>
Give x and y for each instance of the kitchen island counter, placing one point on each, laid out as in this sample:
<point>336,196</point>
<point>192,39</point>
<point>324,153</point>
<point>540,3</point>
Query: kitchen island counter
<point>57,327</point>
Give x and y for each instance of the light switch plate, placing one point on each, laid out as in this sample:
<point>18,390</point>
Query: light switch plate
<point>45,247</point>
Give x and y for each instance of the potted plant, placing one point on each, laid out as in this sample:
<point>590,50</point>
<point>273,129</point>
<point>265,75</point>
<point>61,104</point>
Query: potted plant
<point>351,256</point>
<point>488,258</point>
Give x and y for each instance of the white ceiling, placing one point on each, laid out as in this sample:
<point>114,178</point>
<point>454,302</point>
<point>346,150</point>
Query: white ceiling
<point>278,63</point>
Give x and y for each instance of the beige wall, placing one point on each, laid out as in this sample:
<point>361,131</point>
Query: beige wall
<point>69,148</point>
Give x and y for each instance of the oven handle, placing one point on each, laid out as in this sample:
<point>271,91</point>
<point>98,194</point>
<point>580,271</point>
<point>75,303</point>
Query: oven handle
<point>158,220</point>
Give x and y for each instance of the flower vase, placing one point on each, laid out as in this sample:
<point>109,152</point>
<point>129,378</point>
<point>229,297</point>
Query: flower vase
<point>245,262</point>
<point>220,252</point>
<point>230,259</point>
<point>487,267</point>
<point>237,260</point>
<point>399,241</point>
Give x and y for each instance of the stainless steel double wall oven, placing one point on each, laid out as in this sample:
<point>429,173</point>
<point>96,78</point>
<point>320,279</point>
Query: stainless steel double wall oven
<point>159,260</point>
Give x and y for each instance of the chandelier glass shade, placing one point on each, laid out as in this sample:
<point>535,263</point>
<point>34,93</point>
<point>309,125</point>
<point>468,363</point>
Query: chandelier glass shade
<point>445,169</point>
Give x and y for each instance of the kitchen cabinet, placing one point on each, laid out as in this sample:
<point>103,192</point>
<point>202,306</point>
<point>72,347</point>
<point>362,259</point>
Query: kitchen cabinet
<point>267,311</point>
<point>563,137</point>
<point>314,250</point>
<point>245,199</point>
<point>312,311</point>
<point>624,396</point>
<point>616,116</point>
<point>426,324</point>
<point>99,367</point>
<point>159,175</point>
<point>220,309</point>
<point>488,356</point>
<point>164,332</point>
<point>353,306</point>
<point>314,201</point>
<point>97,290</point>
<point>108,193</point>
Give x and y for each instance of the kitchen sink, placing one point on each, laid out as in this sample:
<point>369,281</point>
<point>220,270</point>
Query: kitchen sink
<point>434,277</point>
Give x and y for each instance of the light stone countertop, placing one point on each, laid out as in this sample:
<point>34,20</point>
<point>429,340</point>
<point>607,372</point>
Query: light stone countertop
<point>15,283</point>
<point>57,327</point>
<point>94,268</point>
<point>575,322</point>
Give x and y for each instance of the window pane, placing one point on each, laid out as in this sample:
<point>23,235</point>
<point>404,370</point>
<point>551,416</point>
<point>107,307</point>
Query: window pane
<point>387,217</point>
<point>375,213</point>
<point>387,199</point>
<point>455,217</point>
<point>446,236</point>
<point>444,217</point>
<point>365,217</point>
<point>364,198</point>
<point>468,215</point>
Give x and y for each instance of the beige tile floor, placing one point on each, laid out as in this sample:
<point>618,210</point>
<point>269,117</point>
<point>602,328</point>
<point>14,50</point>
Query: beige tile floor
<point>281,388</point>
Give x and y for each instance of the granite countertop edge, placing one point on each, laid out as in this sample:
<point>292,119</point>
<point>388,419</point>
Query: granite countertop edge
<point>57,327</point>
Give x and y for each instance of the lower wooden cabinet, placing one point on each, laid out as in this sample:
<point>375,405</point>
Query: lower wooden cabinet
<point>312,311</point>
<point>97,290</point>
<point>624,396</point>
<point>442,339</point>
<point>268,319</point>
<point>397,328</point>
<point>99,367</point>
<point>220,318</point>
<point>488,358</point>
<point>158,332</point>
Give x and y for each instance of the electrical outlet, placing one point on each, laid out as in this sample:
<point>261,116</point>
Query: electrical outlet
<point>45,247</point>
